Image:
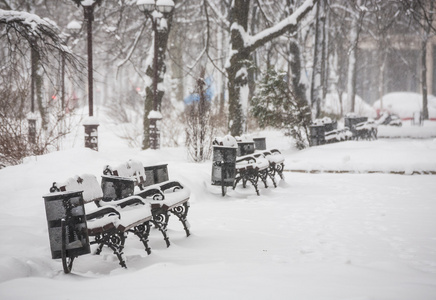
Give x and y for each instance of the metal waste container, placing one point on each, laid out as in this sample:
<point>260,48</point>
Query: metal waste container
<point>67,206</point>
<point>317,135</point>
<point>223,167</point>
<point>115,187</point>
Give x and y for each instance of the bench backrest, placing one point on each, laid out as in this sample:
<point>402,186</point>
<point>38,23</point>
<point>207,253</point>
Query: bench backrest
<point>87,183</point>
<point>132,168</point>
<point>143,176</point>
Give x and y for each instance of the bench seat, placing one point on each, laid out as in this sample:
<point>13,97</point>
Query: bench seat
<point>276,163</point>
<point>251,168</point>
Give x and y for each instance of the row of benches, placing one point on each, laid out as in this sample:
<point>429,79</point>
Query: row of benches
<point>237,160</point>
<point>325,131</point>
<point>261,165</point>
<point>83,209</point>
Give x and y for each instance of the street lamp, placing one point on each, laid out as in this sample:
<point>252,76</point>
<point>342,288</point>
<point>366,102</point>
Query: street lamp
<point>155,10</point>
<point>91,124</point>
<point>31,116</point>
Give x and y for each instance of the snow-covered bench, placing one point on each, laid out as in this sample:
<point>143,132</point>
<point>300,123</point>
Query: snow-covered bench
<point>165,196</point>
<point>108,224</point>
<point>276,163</point>
<point>251,168</point>
<point>366,130</point>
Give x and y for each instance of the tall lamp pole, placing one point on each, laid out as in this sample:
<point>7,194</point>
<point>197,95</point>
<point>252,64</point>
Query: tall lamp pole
<point>91,124</point>
<point>155,10</point>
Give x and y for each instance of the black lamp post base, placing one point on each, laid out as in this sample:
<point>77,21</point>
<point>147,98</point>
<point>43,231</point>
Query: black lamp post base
<point>91,136</point>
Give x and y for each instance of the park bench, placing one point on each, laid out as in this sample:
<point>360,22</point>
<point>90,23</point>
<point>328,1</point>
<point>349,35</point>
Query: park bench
<point>276,163</point>
<point>366,130</point>
<point>251,168</point>
<point>165,196</point>
<point>106,225</point>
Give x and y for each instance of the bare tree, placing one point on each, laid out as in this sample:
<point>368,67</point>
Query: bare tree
<point>421,14</point>
<point>27,35</point>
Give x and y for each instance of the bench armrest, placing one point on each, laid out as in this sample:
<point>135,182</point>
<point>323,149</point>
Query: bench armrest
<point>174,185</point>
<point>249,159</point>
<point>275,151</point>
<point>153,192</point>
<point>103,211</point>
<point>128,201</point>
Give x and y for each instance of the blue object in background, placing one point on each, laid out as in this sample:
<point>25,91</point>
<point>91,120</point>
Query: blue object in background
<point>196,97</point>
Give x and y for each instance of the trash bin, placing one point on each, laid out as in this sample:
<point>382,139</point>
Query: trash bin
<point>115,187</point>
<point>330,126</point>
<point>245,148</point>
<point>155,174</point>
<point>259,143</point>
<point>223,167</point>
<point>317,135</point>
<point>67,206</point>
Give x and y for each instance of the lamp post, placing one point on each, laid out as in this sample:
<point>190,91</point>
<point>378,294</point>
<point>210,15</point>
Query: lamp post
<point>155,10</point>
<point>91,124</point>
<point>31,116</point>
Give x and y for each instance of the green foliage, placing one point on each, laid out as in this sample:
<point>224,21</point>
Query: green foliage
<point>275,105</point>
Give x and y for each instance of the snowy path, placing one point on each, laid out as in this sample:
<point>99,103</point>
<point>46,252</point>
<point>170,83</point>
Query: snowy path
<point>316,236</point>
<point>401,156</point>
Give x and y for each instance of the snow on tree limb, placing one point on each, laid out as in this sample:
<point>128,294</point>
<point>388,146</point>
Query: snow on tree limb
<point>259,39</point>
<point>30,21</point>
<point>41,34</point>
<point>33,28</point>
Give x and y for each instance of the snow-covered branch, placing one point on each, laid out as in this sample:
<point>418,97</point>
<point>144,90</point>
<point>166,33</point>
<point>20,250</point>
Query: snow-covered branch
<point>253,42</point>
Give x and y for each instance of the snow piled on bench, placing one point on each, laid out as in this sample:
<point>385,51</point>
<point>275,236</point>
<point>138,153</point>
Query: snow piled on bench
<point>87,183</point>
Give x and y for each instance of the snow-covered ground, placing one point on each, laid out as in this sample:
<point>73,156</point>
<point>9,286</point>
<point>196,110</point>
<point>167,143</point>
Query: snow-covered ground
<point>315,236</point>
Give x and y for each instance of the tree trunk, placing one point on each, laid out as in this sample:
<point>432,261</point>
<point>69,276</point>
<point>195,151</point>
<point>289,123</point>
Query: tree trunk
<point>298,88</point>
<point>424,78</point>
<point>240,49</point>
<point>351,80</point>
<point>427,28</point>
<point>155,69</point>
<point>317,71</point>
<point>237,78</point>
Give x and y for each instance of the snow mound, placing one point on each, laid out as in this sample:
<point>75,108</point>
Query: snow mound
<point>405,104</point>
<point>333,106</point>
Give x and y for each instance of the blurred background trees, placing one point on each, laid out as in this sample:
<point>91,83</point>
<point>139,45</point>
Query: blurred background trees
<point>333,48</point>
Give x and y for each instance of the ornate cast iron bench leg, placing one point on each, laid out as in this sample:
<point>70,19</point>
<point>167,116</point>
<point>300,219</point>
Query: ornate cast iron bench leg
<point>160,220</point>
<point>181,211</point>
<point>263,176</point>
<point>272,173</point>
<point>279,169</point>
<point>115,241</point>
<point>142,232</point>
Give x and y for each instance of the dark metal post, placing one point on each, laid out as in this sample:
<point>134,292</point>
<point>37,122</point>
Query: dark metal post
<point>155,72</point>
<point>89,16</point>
<point>31,117</point>
<point>63,83</point>
<point>154,134</point>
<point>91,129</point>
